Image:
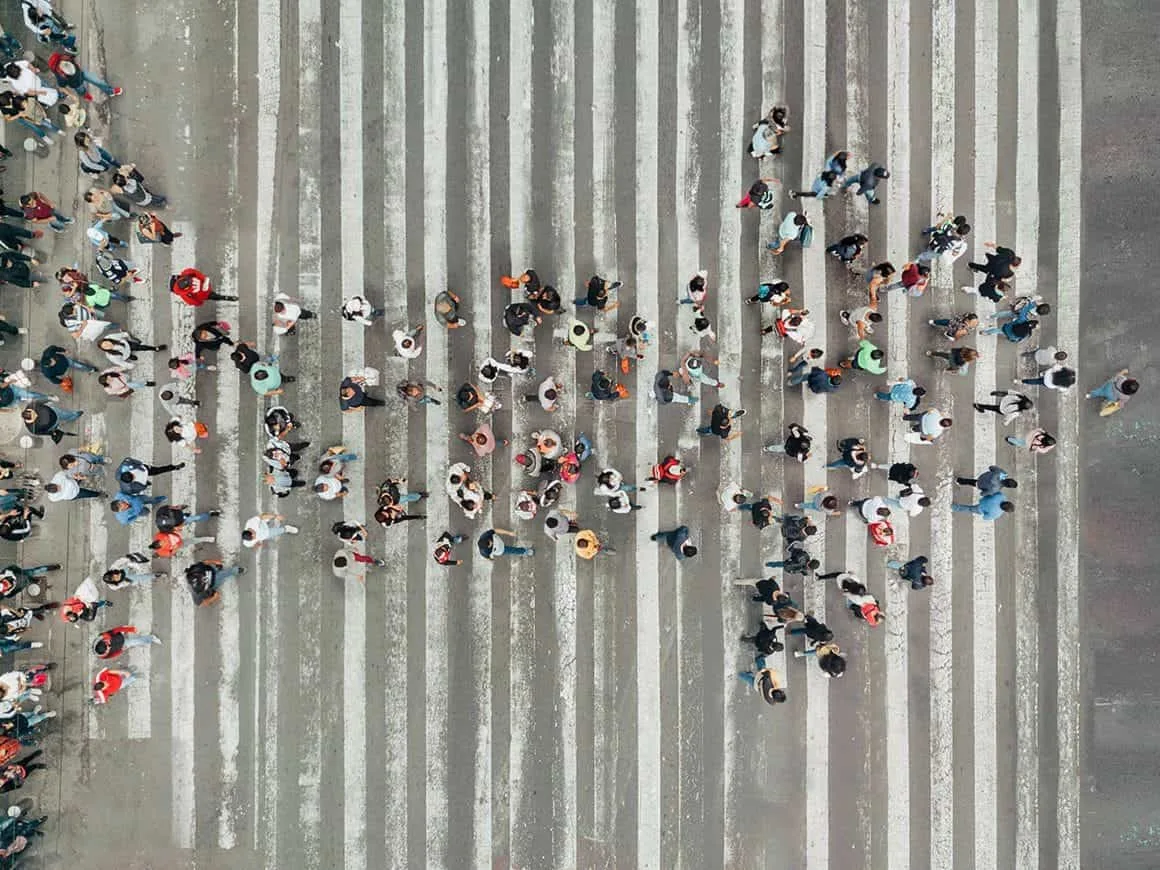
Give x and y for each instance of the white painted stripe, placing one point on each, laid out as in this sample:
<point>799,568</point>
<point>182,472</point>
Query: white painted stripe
<point>563,17</point>
<point>141,445</point>
<point>729,306</point>
<point>435,130</point>
<point>310,37</point>
<point>265,630</point>
<point>941,668</point>
<point>1068,30</point>
<point>98,563</point>
<point>648,696</point>
<point>813,290</point>
<point>985,652</point>
<point>897,695</point>
<point>479,269</point>
<point>1027,579</point>
<point>394,614</point>
<point>521,583</point>
<point>354,636</point>
<point>603,254</point>
<point>183,489</point>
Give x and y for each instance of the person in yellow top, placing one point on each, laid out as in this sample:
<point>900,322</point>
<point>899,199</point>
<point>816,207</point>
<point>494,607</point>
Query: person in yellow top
<point>588,546</point>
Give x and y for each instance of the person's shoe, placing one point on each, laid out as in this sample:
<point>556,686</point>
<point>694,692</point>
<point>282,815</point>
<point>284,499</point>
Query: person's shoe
<point>36,644</point>
<point>844,316</point>
<point>55,566</point>
<point>180,465</point>
<point>928,352</point>
<point>291,530</point>
<point>51,714</point>
<point>22,331</point>
<point>740,412</point>
<point>157,640</point>
<point>117,92</point>
<point>798,654</point>
<point>88,97</point>
<point>241,569</point>
<point>214,513</point>
<point>978,407</point>
<point>531,551</point>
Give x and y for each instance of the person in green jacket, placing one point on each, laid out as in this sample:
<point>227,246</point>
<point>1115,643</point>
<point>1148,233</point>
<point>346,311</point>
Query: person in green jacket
<point>867,358</point>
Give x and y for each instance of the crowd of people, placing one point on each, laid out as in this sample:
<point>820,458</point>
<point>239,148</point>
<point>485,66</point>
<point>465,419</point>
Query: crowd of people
<point>46,97</point>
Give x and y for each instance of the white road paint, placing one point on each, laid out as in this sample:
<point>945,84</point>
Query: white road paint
<point>1027,525</point>
<point>354,635</point>
<point>985,653</point>
<point>729,305</point>
<point>479,268</point>
<point>648,640</point>
<point>308,405</point>
<point>521,584</point>
<point>563,60</point>
<point>435,130</point>
<point>265,630</point>
<point>813,292</point>
<point>897,694</point>
<point>603,255</point>
<point>181,642</point>
<point>1068,30</point>
<point>941,633</point>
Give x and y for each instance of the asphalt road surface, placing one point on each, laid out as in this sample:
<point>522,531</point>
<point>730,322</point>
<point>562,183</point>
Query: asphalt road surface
<point>549,712</point>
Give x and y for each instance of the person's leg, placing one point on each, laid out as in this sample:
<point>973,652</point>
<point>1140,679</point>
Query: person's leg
<point>224,575</point>
<point>372,402</point>
<point>990,330</point>
<point>138,640</point>
<point>8,329</point>
<point>962,508</point>
<point>704,430</point>
<point>199,517</point>
<point>155,470</point>
<point>1105,391</point>
<point>1033,381</point>
<point>89,493</point>
<point>67,415</point>
<point>774,448</point>
<point>941,354</point>
<point>775,564</point>
<point>682,399</point>
<point>24,395</point>
<point>840,462</point>
<point>749,678</point>
<point>79,365</point>
<point>1015,442</point>
<point>517,551</point>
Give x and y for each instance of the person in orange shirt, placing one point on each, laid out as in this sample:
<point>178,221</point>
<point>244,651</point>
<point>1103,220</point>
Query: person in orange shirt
<point>110,644</point>
<point>110,681</point>
<point>165,545</point>
<point>588,546</point>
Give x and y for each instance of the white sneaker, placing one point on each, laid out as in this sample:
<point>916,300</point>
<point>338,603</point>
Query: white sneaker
<point>51,714</point>
<point>156,639</point>
<point>293,530</point>
<point>968,288</point>
<point>22,331</point>
<point>36,644</point>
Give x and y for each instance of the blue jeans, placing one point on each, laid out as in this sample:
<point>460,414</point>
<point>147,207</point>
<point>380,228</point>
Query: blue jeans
<point>778,564</point>
<point>814,504</point>
<point>509,550</point>
<point>840,462</point>
<point>1105,391</point>
<point>140,578</point>
<point>426,400</point>
<point>95,458</point>
<point>23,395</point>
<point>224,575</point>
<point>1034,381</point>
<point>67,415</point>
<point>344,457</point>
<point>198,518</point>
<point>89,493</point>
<point>79,366</point>
<point>41,130</point>
<point>95,82</point>
<point>411,498</point>
<point>704,430</point>
<point>965,508</point>
<point>798,374</point>
<point>750,677</point>
<point>132,640</point>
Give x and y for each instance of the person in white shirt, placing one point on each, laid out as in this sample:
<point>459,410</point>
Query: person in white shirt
<point>407,343</point>
<point>287,313</point>
<point>358,309</point>
<point>911,499</point>
<point>64,487</point>
<point>265,527</point>
<point>927,426</point>
<point>548,395</point>
<point>23,79</point>
<point>872,509</point>
<point>732,496</point>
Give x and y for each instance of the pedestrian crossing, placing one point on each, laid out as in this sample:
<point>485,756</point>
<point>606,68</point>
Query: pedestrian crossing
<point>549,711</point>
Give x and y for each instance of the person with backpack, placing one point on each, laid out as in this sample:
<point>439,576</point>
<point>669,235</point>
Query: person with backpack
<point>491,545</point>
<point>114,641</point>
<point>797,560</point>
<point>677,540</point>
<point>765,641</point>
<point>192,287</point>
<point>867,181</point>
<point>205,579</point>
<point>605,389</point>
<point>69,74</point>
<point>913,572</point>
<point>721,423</point>
<point>796,446</point>
<point>760,195</point>
<point>597,294</point>
<point>765,681</point>
<point>135,476</point>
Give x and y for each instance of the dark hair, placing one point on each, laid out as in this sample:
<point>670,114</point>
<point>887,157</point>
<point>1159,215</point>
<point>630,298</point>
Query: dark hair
<point>924,501</point>
<point>1129,386</point>
<point>800,220</point>
<point>829,176</point>
<point>690,550</point>
<point>874,317</point>
<point>101,647</point>
<point>126,476</point>
<point>920,391</point>
<point>51,487</point>
<point>1065,377</point>
<point>814,564</point>
<point>248,534</point>
<point>876,354</point>
<point>777,695</point>
<point>963,229</point>
<point>1048,440</point>
<point>882,172</point>
<point>261,375</point>
<point>12,71</point>
<point>1043,309</point>
<point>1009,482</point>
<point>830,502</point>
<point>946,422</point>
<point>1016,261</point>
<point>340,561</point>
<point>833,664</point>
<point>1007,506</point>
<point>810,529</point>
<point>550,394</point>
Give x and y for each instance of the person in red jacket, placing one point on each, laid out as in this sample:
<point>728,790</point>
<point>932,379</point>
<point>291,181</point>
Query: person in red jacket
<point>193,288</point>
<point>70,75</point>
<point>109,682</point>
<point>669,470</point>
<point>110,644</point>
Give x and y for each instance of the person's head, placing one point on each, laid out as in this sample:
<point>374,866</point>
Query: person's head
<point>874,317</point>
<point>946,422</point>
<point>51,487</point>
<point>173,431</point>
<point>816,353</point>
<point>800,220</point>
<point>688,549</point>
<point>1007,507</point>
<point>67,461</point>
<point>1060,355</point>
<point>777,696</point>
<point>919,392</point>
<point>813,564</point>
<point>876,354</point>
<point>780,114</point>
<point>810,530</point>
<point>1065,377</point>
<point>119,504</point>
<point>1009,483</point>
<point>833,664</point>
<point>1046,440</point>
<point>247,534</point>
<point>830,502</point>
<point>885,269</point>
<point>126,477</point>
<point>924,501</point>
<point>346,392</point>
<point>1130,386</point>
<point>82,139</point>
<point>881,172</point>
<point>104,378</point>
<point>28,415</point>
<point>261,375</point>
<point>27,199</point>
<point>859,239</point>
<point>12,70</point>
<point>101,648</point>
<point>701,324</point>
<point>340,561</point>
<point>970,354</point>
<point>829,177</point>
<point>90,195</point>
<point>883,512</point>
<point>923,269</point>
<point>1043,308</point>
<point>963,229</point>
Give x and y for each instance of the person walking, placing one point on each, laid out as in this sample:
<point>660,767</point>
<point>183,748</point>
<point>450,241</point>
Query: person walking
<point>868,180</point>
<point>192,287</point>
<point>821,500</point>
<point>70,75</point>
<point>822,187</point>
<point>110,681</point>
<point>491,545</point>
<point>721,423</point>
<point>266,378</point>
<point>859,601</point>
<point>128,182</point>
<point>913,280</point>
<point>135,476</point>
<point>597,294</point>
<point>151,230</point>
<point>867,358</point>
<point>443,553</point>
<point>665,394</point>
<point>287,312</point>
<point>358,309</point>
<point>210,336</point>
<point>415,392</point>
<point>587,545</point>
<point>1000,262</point>
<point>959,326</point>
<point>1010,406</point>
<point>352,394</point>
<point>764,680</point>
<point>1115,392</point>
<point>64,487</point>
<point>958,359</point>
<point>205,579</point>
<point>849,248</point>
<point>926,427</point>
<point>797,443</point>
<point>265,527</point>
<point>989,507</point>
<point>760,195</point>
<point>678,542</point>
<point>765,640</point>
<point>40,418</point>
<point>114,641</point>
<point>913,572</point>
<point>911,499</point>
<point>127,509</point>
<point>794,227</point>
<point>853,455</point>
<point>905,392</point>
<point>797,560</point>
<point>991,481</point>
<point>1037,441</point>
<point>132,570</point>
<point>407,344</point>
